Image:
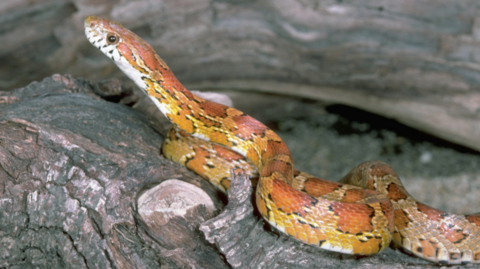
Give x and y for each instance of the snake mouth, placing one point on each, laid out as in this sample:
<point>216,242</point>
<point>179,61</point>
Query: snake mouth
<point>93,22</point>
<point>89,21</point>
<point>92,31</point>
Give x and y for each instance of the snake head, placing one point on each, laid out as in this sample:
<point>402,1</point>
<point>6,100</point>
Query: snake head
<point>133,55</point>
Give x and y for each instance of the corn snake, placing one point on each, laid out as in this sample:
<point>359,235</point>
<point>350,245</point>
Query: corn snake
<point>210,139</point>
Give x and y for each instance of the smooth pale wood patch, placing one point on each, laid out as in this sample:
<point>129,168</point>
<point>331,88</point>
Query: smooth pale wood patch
<point>169,199</point>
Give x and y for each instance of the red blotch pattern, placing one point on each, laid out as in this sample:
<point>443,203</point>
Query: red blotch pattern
<point>355,195</point>
<point>227,154</point>
<point>276,166</point>
<point>432,213</point>
<point>246,126</point>
<point>317,187</point>
<point>353,218</point>
<point>214,109</point>
<point>474,218</point>
<point>288,199</point>
<point>396,192</point>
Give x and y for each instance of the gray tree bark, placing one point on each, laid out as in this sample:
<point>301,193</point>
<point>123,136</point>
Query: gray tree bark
<point>75,176</point>
<point>82,185</point>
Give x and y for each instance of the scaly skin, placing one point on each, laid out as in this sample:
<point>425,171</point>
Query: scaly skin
<point>333,216</point>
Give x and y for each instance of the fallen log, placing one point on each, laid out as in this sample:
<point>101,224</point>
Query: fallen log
<point>82,185</point>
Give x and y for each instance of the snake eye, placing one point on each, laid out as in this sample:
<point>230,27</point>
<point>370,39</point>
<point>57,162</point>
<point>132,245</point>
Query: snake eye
<point>112,39</point>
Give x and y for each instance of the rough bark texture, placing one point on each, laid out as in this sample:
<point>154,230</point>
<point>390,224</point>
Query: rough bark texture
<point>247,243</point>
<point>82,185</point>
<point>416,61</point>
<point>72,169</point>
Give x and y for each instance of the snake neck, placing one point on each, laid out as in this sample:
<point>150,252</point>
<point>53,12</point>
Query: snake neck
<point>200,118</point>
<point>223,125</point>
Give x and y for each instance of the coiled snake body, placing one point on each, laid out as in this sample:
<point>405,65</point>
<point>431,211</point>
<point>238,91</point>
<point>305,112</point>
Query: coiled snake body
<point>211,139</point>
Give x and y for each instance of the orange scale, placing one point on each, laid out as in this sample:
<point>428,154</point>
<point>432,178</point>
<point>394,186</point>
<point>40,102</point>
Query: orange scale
<point>353,240</point>
<point>352,217</point>
<point>290,231</point>
<point>321,236</point>
<point>474,218</point>
<point>317,187</point>
<point>428,249</point>
<point>301,236</point>
<point>278,217</point>
<point>355,195</point>
<point>316,233</point>
<point>367,248</point>
<point>375,246</point>
<point>451,234</point>
<point>286,219</point>
<point>288,222</point>
<point>343,239</point>
<point>261,205</point>
<point>307,228</point>
<point>357,243</point>
<point>227,154</point>
<point>198,163</point>
<point>358,250</point>
<point>311,232</point>
<point>298,227</point>
<point>401,220</point>
<point>330,235</point>
<point>288,199</point>
<point>313,240</point>
<point>432,213</point>
<point>309,219</point>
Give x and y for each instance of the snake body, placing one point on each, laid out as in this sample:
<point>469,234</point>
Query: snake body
<point>211,139</point>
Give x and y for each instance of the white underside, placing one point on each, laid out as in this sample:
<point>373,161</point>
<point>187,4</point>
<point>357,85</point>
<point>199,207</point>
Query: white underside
<point>326,245</point>
<point>131,72</point>
<point>160,106</point>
